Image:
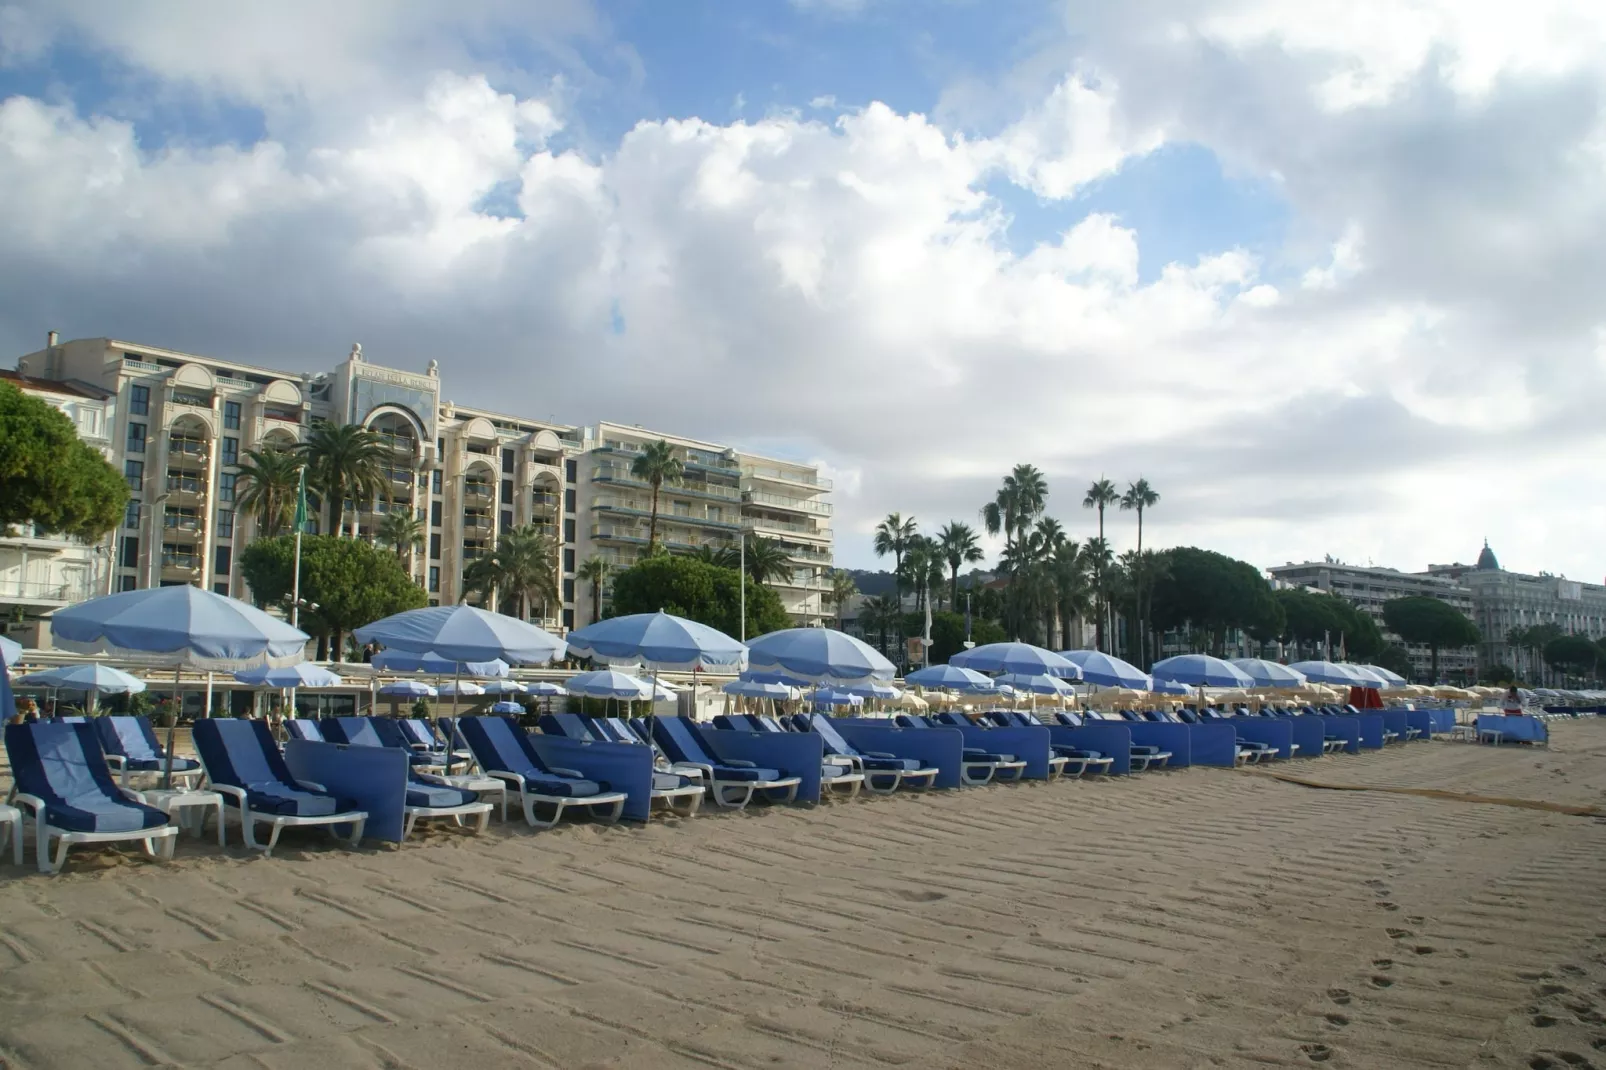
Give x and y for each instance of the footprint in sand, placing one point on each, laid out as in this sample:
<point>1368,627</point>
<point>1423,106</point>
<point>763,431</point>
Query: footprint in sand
<point>1317,1053</point>
<point>1461,953</point>
<point>1533,975</point>
<point>1341,996</point>
<point>1389,906</point>
<point>1599,1043</point>
<point>1571,970</point>
<point>1399,934</point>
<point>920,895</point>
<point>1379,981</point>
<point>1423,949</point>
<point>1383,964</point>
<point>1552,989</point>
<point>1542,1021</point>
<point>1337,1019</point>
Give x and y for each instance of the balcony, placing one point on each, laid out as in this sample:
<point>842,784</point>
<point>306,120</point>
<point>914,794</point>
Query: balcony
<point>771,474</point>
<point>478,490</point>
<point>473,551</point>
<point>620,534</point>
<point>186,486</point>
<point>181,526</point>
<point>631,507</point>
<point>187,446</point>
<point>398,443</point>
<point>476,522</point>
<point>782,501</point>
<point>180,561</point>
<point>544,504</point>
<point>766,523</point>
<point>608,473</point>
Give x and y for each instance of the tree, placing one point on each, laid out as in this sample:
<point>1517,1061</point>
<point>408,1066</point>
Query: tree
<point>1572,655</point>
<point>345,583</point>
<point>655,465</point>
<point>344,461</point>
<point>1432,621</point>
<point>523,566</point>
<point>892,536</point>
<point>1213,593</point>
<point>1499,675</point>
<point>594,570</point>
<point>49,477</point>
<point>1100,494</point>
<point>1139,496</point>
<point>1395,658</point>
<point>1534,638</point>
<point>403,532</point>
<point>880,614</point>
<point>696,590</point>
<point>958,545</point>
<point>948,633</point>
<point>767,559</point>
<point>268,483</point>
<point>922,568</point>
<point>1073,595</point>
<point>843,588</point>
<point>1020,499</point>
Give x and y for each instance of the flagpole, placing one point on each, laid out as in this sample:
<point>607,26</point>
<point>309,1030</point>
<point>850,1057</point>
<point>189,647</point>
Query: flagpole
<point>295,582</point>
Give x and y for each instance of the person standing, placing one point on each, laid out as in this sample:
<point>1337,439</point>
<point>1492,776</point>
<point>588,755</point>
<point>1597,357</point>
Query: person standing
<point>1511,705</point>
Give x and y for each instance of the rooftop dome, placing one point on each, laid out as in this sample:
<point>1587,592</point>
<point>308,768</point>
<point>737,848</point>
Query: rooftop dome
<point>1486,559</point>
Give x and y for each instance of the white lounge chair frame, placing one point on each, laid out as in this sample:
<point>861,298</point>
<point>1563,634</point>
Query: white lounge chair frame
<point>927,776</point>
<point>1083,764</point>
<point>250,818</point>
<point>65,838</point>
<point>482,810</point>
<point>614,799</point>
<point>1142,762</point>
<point>119,765</point>
<point>852,781</point>
<point>741,791</point>
<point>11,829</point>
<point>692,794</point>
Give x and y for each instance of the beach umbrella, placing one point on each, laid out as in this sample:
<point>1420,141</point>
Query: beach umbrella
<point>503,687</point>
<point>1200,670</point>
<point>409,689</point>
<point>874,689</point>
<point>610,683</point>
<point>506,707</point>
<point>658,641</point>
<point>434,665</point>
<point>755,689</point>
<point>547,688</point>
<point>182,627</point>
<point>1106,670</point>
<point>1329,672</point>
<point>829,697</point>
<point>462,687</point>
<point>949,677</point>
<point>1016,658</point>
<point>1037,684</point>
<point>304,675</point>
<point>1269,673</point>
<point>92,680</point>
<point>910,700</point>
<point>1170,687</point>
<point>10,651</point>
<point>1390,678</point>
<point>819,655</point>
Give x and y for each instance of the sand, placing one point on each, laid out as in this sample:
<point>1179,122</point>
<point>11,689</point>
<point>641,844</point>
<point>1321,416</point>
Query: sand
<point>1186,919</point>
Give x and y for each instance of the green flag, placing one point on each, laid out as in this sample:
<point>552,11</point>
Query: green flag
<point>301,502</point>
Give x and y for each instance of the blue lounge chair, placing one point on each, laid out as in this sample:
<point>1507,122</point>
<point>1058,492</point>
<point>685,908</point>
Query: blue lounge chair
<point>834,776</point>
<point>1142,755</point>
<point>62,779</point>
<point>304,729</point>
<point>681,793</point>
<point>422,738</point>
<point>977,766</point>
<point>952,719</point>
<point>1078,761</point>
<point>732,784</point>
<point>883,773</point>
<point>502,748</point>
<point>244,764</point>
<point>131,746</point>
<point>426,797</point>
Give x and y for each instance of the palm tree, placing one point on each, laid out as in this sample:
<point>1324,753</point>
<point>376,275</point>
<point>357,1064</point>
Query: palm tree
<point>922,560</point>
<point>767,559</point>
<point>594,570</point>
<point>269,479</point>
<point>1101,494</point>
<point>957,543</point>
<point>843,588</point>
<point>656,464</point>
<point>524,566</point>
<point>1139,496</point>
<point>1019,500</point>
<point>403,532</point>
<point>344,460</point>
<point>718,556</point>
<point>881,613</point>
<point>892,536</point>
<point>1068,566</point>
<point>1026,599</point>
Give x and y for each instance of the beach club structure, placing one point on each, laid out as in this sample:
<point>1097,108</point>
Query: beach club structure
<point>810,715</point>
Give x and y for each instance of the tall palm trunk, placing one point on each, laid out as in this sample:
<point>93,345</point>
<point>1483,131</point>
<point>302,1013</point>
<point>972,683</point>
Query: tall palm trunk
<point>953,587</point>
<point>1137,593</point>
<point>1098,579</point>
<point>652,523</point>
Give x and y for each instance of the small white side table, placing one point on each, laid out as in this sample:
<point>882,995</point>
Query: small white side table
<point>485,785</point>
<point>179,804</point>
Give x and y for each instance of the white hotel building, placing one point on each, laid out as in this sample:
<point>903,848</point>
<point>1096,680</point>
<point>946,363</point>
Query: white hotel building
<point>176,424</point>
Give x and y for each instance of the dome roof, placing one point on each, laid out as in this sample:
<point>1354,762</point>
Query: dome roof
<point>1486,559</point>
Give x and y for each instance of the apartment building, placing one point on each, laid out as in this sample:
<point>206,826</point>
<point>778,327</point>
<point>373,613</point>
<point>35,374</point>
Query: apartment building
<point>1506,602</point>
<point>177,425</point>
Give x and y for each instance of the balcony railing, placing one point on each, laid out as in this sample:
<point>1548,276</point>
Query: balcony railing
<point>190,447</point>
<point>182,561</point>
<point>186,485</point>
<point>474,488</point>
<point>781,501</point>
<point>773,524</point>
<point>476,523</point>
<point>475,551</point>
<point>44,590</point>
<point>181,523</point>
<point>288,416</point>
<point>398,443</point>
<point>189,397</point>
<point>759,471</point>
<point>608,473</point>
<point>543,502</point>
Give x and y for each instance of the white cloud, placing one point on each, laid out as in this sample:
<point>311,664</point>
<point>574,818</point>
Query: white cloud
<point>1072,138</point>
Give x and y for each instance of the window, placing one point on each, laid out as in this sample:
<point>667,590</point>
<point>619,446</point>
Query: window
<point>435,546</point>
<point>131,516</point>
<point>134,472</point>
<point>507,492</point>
<point>139,400</point>
<point>136,437</point>
<point>435,482</point>
<point>225,523</point>
<point>507,462</point>
<point>568,590</point>
<point>568,619</point>
<point>126,583</point>
<point>130,551</point>
<point>568,560</point>
<point>434,578</point>
<point>569,468</point>
<point>221,588</point>
<point>231,415</point>
<point>231,450</point>
<point>225,487</point>
<point>568,500</point>
<point>682,508</point>
<point>435,514</point>
<point>222,560</point>
<point>568,530</point>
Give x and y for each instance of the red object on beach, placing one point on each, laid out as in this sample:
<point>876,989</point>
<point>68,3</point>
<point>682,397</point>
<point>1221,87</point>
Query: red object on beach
<point>1365,698</point>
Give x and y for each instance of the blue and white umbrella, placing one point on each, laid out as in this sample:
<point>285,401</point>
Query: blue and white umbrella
<point>1200,670</point>
<point>610,683</point>
<point>1106,670</point>
<point>1331,672</point>
<point>950,678</point>
<point>1269,673</point>
<point>1388,676</point>
<point>1170,687</point>
<point>819,655</point>
<point>547,688</point>
<point>463,633</point>
<point>1372,672</point>
<point>786,679</point>
<point>1016,657</point>
<point>10,651</point>
<point>409,689</point>
<point>658,641</point>
<point>100,679</point>
<point>503,687</point>
<point>1035,683</point>
<point>506,707</point>
<point>435,665</point>
<point>304,675</point>
<point>755,689</point>
<point>462,688</point>
<point>829,697</point>
<point>874,689</point>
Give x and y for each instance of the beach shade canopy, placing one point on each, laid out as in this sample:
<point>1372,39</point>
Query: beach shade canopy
<point>547,688</point>
<point>1106,670</point>
<point>1390,678</point>
<point>1330,672</point>
<point>829,697</point>
<point>434,665</point>
<point>304,675</point>
<point>1200,670</point>
<point>610,683</point>
<point>182,627</point>
<point>464,634</point>
<point>1039,684</point>
<point>462,688</point>
<point>506,707</point>
<point>786,679</point>
<point>503,687</point>
<point>1021,658</point>
<point>1269,673</point>
<point>755,689</point>
<point>949,678</point>
<point>101,679</point>
<point>819,655</point>
<point>1170,687</point>
<point>874,689</point>
<point>658,641</point>
<point>10,651</point>
<point>409,689</point>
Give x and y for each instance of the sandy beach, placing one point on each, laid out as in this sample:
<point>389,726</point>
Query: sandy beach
<point>1187,919</point>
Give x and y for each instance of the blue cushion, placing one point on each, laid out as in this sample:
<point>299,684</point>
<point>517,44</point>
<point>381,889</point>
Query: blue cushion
<point>158,765</point>
<point>889,764</point>
<point>565,788</point>
<point>242,754</point>
<point>727,772</point>
<point>62,763</point>
<point>669,781</point>
<point>437,796</point>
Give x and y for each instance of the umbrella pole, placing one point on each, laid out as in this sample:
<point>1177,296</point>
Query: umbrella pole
<point>172,733</point>
<point>208,711</point>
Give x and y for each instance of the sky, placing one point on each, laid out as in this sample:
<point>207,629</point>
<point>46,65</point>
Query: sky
<point>1328,275</point>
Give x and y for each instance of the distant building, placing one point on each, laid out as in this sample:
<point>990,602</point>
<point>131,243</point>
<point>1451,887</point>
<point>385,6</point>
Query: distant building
<point>1504,602</point>
<point>1369,588</point>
